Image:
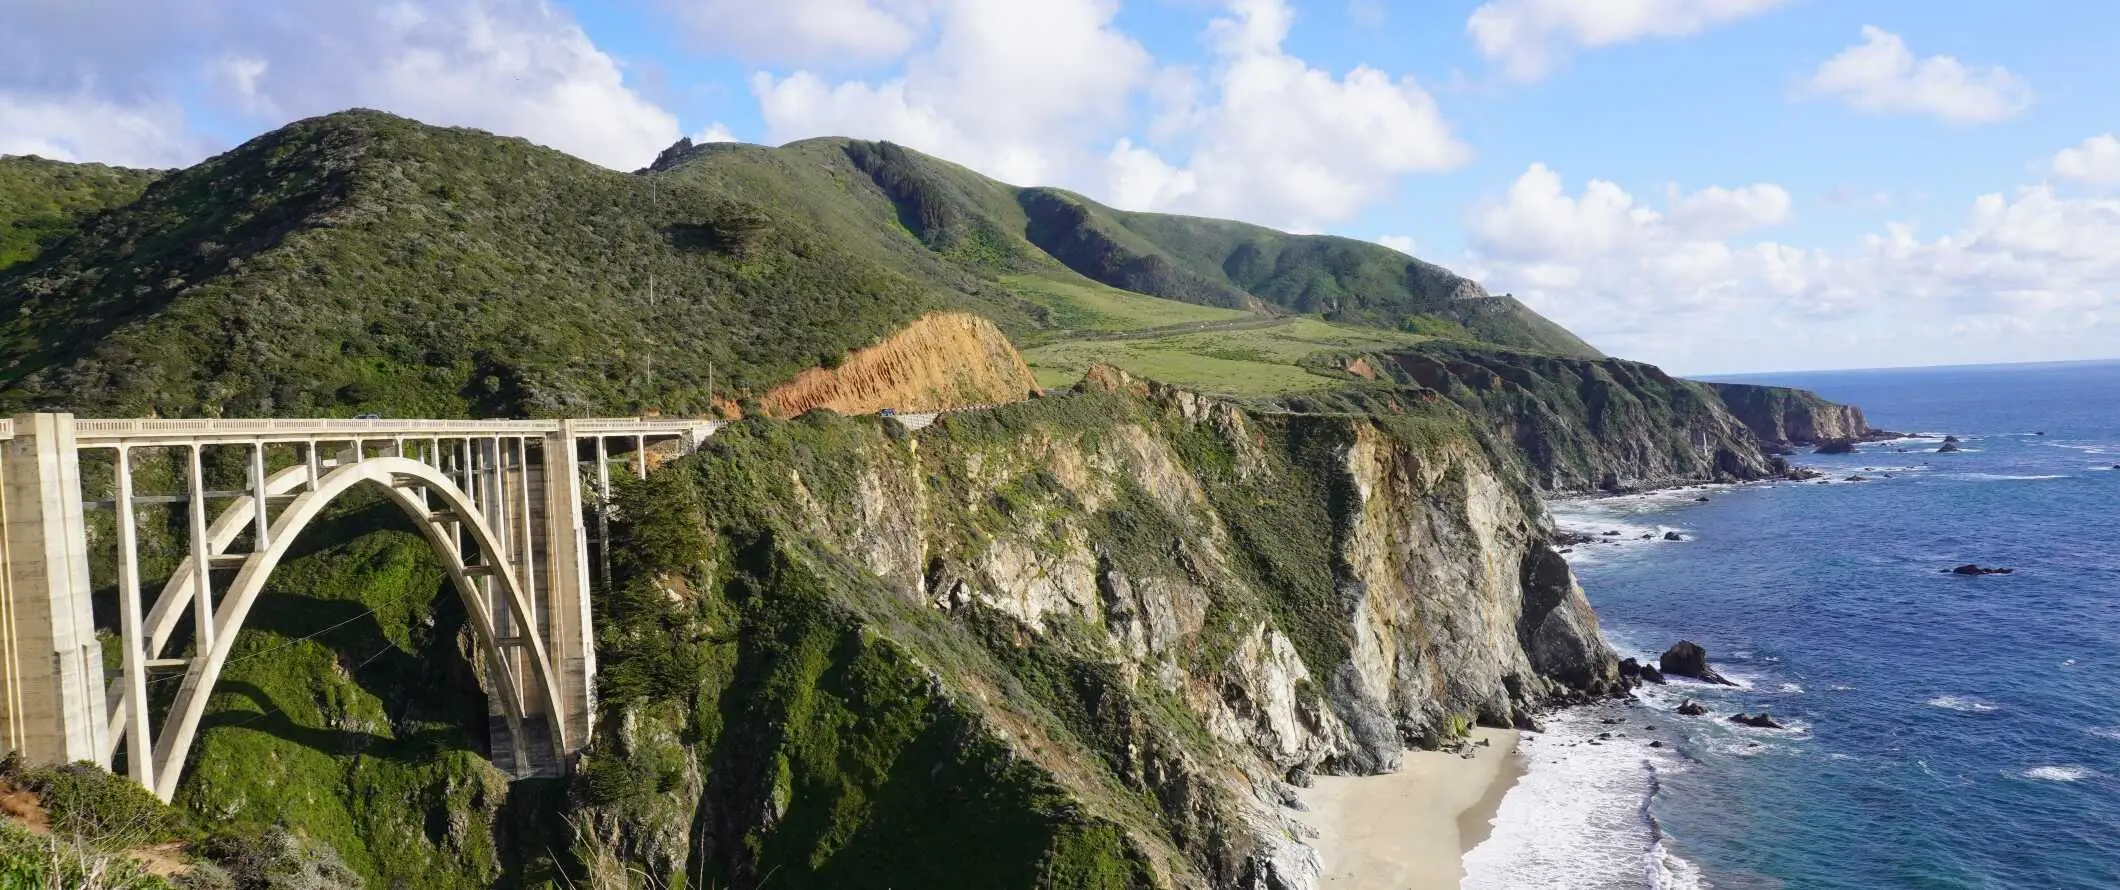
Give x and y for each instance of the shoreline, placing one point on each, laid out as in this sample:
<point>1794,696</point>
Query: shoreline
<point>1411,829</point>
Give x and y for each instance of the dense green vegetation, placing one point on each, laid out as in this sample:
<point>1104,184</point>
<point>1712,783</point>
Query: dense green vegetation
<point>363,262</point>
<point>43,201</point>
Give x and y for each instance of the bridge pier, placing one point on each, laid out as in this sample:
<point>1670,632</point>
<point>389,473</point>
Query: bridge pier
<point>55,708</point>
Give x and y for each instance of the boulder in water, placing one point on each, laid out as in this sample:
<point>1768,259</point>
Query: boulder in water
<point>1835,446</point>
<point>1948,448</point>
<point>1950,440</point>
<point>1974,569</point>
<point>1757,721</point>
<point>1673,536</point>
<point>1687,659</point>
<point>1693,708</point>
<point>1652,675</point>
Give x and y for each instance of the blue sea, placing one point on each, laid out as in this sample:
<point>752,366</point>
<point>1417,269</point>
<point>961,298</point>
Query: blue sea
<point>1943,731</point>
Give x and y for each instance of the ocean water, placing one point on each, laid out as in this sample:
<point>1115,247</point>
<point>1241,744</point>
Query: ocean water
<point>1943,731</point>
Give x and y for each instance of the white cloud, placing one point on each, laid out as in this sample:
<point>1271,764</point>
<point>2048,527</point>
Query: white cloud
<point>2027,275</point>
<point>2095,163</point>
<point>80,127</point>
<point>1009,89</point>
<point>1528,38</point>
<point>1882,76</point>
<point>517,67</point>
<point>715,132</point>
<point>804,30</point>
<point>1283,143</point>
<point>1718,212</point>
<point>1401,243</point>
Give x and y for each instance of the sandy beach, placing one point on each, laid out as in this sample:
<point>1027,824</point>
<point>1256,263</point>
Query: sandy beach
<point>1409,830</point>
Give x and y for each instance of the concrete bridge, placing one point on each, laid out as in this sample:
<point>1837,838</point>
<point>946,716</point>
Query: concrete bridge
<point>502,502</point>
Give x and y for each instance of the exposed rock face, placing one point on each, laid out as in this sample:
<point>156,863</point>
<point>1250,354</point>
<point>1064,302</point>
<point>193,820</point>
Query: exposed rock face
<point>944,360</point>
<point>1835,446</point>
<point>1783,416</point>
<point>1584,424</point>
<point>1268,596</point>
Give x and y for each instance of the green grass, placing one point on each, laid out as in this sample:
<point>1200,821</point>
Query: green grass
<point>1083,305</point>
<point>1255,361</point>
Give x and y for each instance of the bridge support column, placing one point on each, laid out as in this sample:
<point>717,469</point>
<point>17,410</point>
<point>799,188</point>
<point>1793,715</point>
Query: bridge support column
<point>62,716</point>
<point>565,580</point>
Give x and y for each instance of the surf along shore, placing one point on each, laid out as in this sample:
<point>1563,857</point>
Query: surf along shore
<point>1409,830</point>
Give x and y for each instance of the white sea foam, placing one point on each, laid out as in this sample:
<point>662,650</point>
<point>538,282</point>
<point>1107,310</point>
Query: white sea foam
<point>2003,477</point>
<point>1960,703</point>
<point>2063,773</point>
<point>1791,687</point>
<point>2106,732</point>
<point>1579,816</point>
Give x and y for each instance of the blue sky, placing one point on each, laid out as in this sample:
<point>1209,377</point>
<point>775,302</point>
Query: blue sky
<point>1713,185</point>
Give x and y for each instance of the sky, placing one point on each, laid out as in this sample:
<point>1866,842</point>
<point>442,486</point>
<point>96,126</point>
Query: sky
<point>1716,186</point>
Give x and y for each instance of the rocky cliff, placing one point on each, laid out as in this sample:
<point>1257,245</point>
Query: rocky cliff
<point>1077,641</point>
<point>1783,416</point>
<point>944,360</point>
<point>1587,424</point>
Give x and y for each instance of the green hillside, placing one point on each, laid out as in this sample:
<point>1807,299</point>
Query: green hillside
<point>365,262</point>
<point>42,201</point>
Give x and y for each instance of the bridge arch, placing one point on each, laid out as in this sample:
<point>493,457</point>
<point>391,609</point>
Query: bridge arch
<point>446,516</point>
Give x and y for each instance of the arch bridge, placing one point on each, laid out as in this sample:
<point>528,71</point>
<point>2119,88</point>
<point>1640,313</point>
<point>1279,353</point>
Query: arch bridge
<point>504,503</point>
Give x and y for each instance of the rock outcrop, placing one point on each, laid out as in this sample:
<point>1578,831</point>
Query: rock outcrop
<point>1687,659</point>
<point>1589,424</point>
<point>945,360</point>
<point>1163,606</point>
<point>1784,417</point>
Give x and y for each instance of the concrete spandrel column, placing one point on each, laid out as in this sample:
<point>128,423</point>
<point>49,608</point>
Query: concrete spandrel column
<point>64,715</point>
<point>564,581</point>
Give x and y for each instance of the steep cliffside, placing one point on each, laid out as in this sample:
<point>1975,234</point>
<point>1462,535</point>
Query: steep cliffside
<point>944,360</point>
<point>1077,641</point>
<point>1782,416</point>
<point>1585,424</point>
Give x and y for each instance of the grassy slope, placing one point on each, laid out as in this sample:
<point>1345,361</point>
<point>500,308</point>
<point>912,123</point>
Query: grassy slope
<point>367,262</point>
<point>43,201</point>
<point>1268,359</point>
<point>362,262</point>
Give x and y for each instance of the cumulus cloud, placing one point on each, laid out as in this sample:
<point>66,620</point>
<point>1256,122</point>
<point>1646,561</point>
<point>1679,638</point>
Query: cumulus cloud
<point>518,67</point>
<point>715,132</point>
<point>1882,76</point>
<point>1401,243</point>
<point>1528,38</point>
<point>2030,273</point>
<point>2096,162</point>
<point>804,30</point>
<point>1005,88</point>
<point>81,126</point>
<point>1278,141</point>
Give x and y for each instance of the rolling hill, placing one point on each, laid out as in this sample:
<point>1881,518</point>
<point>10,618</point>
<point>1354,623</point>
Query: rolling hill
<point>365,262</point>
